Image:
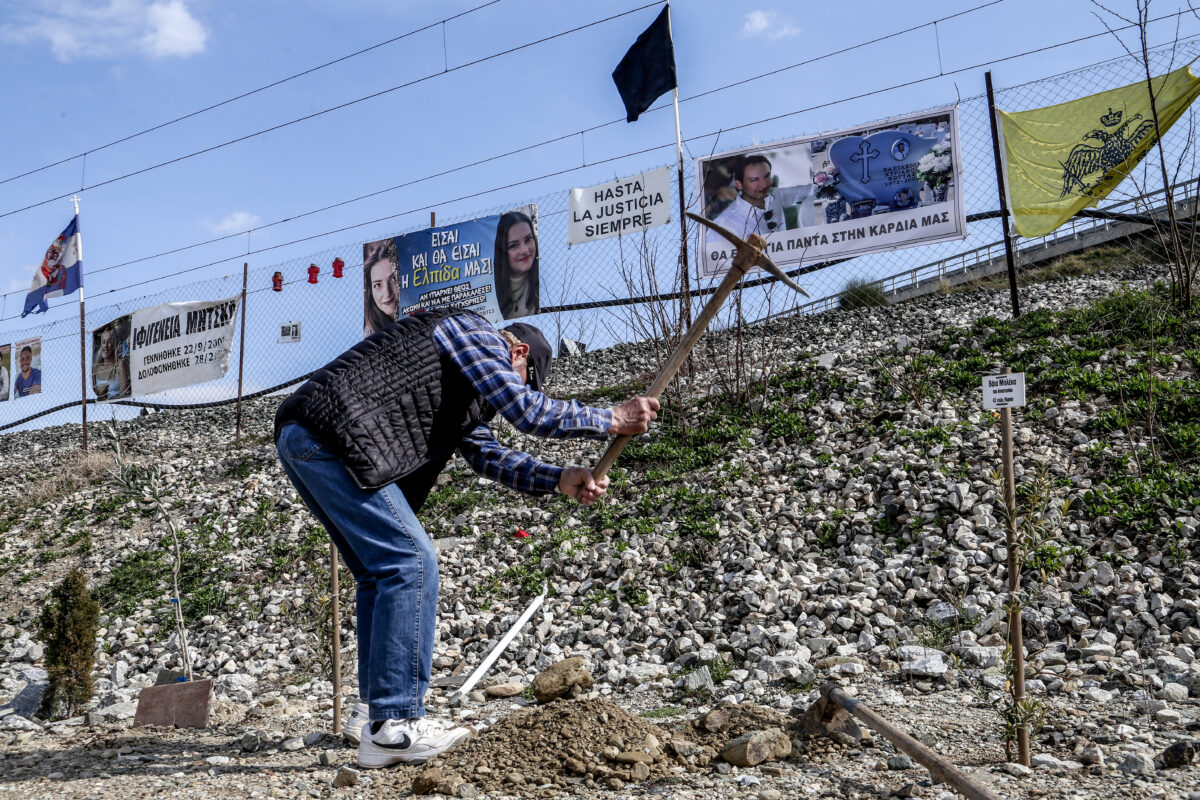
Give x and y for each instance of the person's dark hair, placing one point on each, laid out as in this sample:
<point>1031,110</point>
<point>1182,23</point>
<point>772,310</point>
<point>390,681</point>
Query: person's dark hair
<point>373,316</point>
<point>503,272</point>
<point>740,170</point>
<point>26,349</point>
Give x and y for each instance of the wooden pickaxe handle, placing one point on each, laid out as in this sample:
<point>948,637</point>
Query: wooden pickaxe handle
<point>745,258</point>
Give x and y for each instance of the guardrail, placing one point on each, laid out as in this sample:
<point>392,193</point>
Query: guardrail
<point>957,264</point>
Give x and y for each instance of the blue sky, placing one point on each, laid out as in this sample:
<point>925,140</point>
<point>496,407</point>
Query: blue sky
<point>82,73</point>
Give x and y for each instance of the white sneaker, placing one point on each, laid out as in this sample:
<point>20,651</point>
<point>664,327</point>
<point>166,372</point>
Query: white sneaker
<point>359,716</point>
<point>406,741</point>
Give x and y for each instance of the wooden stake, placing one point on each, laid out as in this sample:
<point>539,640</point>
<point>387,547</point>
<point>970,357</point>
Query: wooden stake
<point>337,640</point>
<point>1015,639</point>
<point>242,353</point>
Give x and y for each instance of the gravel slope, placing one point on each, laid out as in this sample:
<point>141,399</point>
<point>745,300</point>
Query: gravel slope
<point>857,540</point>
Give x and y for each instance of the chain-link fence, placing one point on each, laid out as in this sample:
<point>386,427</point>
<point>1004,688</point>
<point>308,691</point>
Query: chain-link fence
<point>609,291</point>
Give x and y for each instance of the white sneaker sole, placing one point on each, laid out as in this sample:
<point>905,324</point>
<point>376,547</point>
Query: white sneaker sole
<point>372,756</point>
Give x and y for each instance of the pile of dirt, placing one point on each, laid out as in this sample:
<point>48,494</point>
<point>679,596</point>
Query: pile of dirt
<point>575,743</point>
<point>726,722</point>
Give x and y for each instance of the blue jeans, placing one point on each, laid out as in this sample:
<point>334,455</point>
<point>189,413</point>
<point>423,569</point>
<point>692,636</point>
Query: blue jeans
<point>394,564</point>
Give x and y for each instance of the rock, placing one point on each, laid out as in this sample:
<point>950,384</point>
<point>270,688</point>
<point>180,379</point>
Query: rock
<point>505,689</point>
<point>427,781</point>
<point>346,776</point>
<point>1047,761</point>
<point>926,666</point>
<point>449,785</point>
<point>560,679</point>
<point>752,749</point>
<point>293,744</point>
<point>715,720</point>
<point>252,741</point>
<point>1090,754</point>
<point>646,673</point>
<point>1137,764</point>
<point>640,771</point>
<point>28,700</point>
<point>899,762</point>
<point>1179,754</point>
<point>313,738</point>
<point>698,681</point>
<point>327,758</point>
<point>770,794</point>
<point>1174,692</point>
<point>1017,770</point>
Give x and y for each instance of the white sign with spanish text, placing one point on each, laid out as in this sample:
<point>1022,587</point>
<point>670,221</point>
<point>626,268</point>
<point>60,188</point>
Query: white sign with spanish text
<point>620,207</point>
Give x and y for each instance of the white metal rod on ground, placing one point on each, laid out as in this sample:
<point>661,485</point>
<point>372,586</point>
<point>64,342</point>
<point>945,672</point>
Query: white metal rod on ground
<point>482,669</point>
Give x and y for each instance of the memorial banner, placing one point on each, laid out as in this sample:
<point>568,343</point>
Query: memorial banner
<point>5,371</point>
<point>620,207</point>
<point>488,265</point>
<point>27,377</point>
<point>181,344</point>
<point>851,192</point>
<point>110,359</point>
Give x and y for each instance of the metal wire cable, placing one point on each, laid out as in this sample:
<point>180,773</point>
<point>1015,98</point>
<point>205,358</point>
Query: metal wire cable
<point>244,95</point>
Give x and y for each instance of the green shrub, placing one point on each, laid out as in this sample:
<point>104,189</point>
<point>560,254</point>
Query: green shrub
<point>68,626</point>
<point>862,294</point>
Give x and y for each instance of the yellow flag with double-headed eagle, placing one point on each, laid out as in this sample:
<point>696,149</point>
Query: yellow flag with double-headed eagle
<point>1063,158</point>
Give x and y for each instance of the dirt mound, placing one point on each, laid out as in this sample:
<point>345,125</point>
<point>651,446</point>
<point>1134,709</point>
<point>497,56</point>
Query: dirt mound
<point>726,722</point>
<point>575,743</point>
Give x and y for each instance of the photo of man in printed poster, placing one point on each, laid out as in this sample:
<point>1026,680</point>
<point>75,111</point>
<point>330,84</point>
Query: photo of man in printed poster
<point>28,378</point>
<point>5,371</point>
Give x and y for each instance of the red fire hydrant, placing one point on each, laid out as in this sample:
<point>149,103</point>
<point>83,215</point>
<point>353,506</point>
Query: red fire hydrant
<point>313,271</point>
<point>338,266</point>
<point>277,282</point>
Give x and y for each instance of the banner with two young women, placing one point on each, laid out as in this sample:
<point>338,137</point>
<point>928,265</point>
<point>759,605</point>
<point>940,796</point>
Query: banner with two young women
<point>489,265</point>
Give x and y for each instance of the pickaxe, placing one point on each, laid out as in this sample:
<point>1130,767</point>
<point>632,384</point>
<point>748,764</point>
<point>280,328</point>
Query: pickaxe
<point>830,716</point>
<point>749,254</point>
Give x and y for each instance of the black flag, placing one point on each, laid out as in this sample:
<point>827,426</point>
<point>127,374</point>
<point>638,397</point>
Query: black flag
<point>648,69</point>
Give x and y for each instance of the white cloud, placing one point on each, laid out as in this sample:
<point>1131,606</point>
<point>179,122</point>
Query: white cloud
<point>759,22</point>
<point>173,31</point>
<point>79,29</point>
<point>237,222</point>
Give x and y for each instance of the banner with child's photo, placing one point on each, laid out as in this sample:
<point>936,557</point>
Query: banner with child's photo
<point>860,190</point>
<point>489,265</point>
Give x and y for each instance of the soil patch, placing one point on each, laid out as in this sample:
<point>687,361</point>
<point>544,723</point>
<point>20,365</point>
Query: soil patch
<point>735,721</point>
<point>575,743</point>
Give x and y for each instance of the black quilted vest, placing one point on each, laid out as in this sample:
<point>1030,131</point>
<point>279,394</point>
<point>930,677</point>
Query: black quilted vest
<point>391,408</point>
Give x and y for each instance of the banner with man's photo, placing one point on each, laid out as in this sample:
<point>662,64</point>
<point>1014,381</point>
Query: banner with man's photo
<point>489,265</point>
<point>180,344</point>
<point>861,190</point>
<point>27,374</point>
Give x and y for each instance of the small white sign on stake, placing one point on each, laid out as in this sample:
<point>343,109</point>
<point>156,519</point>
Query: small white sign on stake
<point>1004,391</point>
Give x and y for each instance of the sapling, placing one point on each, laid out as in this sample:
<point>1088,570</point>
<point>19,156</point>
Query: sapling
<point>145,485</point>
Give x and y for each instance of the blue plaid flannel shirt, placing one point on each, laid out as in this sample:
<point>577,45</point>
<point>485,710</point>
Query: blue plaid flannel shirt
<point>482,354</point>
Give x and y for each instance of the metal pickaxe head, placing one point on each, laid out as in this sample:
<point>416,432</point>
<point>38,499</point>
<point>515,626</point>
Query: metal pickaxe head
<point>826,717</point>
<point>750,252</point>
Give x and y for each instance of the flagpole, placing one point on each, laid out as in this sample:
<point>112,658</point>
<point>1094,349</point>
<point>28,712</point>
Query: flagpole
<point>82,333</point>
<point>1008,251</point>
<point>685,280</point>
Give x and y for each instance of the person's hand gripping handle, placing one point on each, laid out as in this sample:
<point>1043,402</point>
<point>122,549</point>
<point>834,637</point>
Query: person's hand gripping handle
<point>629,419</point>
